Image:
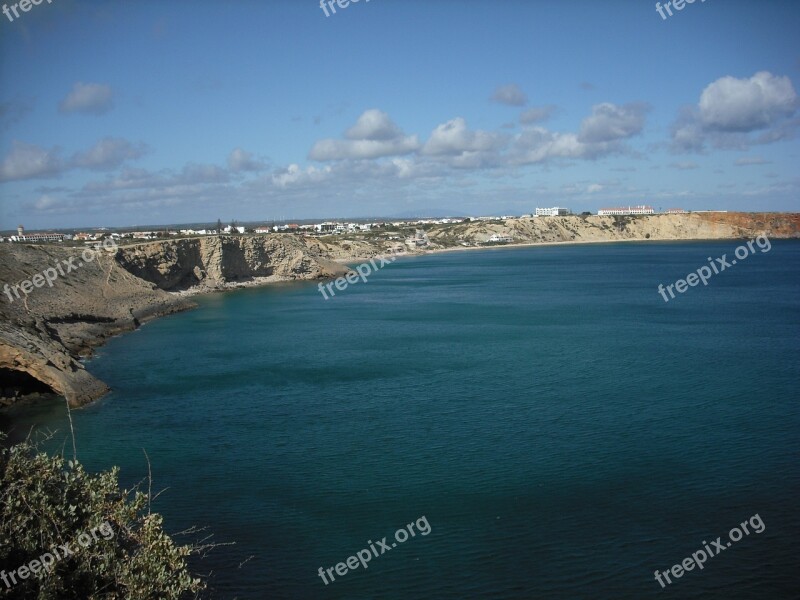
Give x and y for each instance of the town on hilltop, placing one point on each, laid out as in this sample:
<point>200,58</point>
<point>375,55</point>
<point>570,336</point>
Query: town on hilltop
<point>325,228</point>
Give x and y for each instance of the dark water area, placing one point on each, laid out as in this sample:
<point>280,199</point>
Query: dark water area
<point>563,430</point>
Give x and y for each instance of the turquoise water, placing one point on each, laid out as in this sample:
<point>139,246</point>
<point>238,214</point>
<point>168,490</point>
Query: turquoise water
<point>564,431</point>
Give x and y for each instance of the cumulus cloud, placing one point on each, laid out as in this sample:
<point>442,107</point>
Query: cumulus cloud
<point>602,133</point>
<point>737,113</point>
<point>745,105</point>
<point>28,161</point>
<point>240,161</point>
<point>108,153</point>
<point>609,122</point>
<point>374,135</point>
<point>536,114</point>
<point>294,175</point>
<point>455,139</point>
<point>510,95</point>
<point>374,125</point>
<point>537,144</point>
<point>88,98</point>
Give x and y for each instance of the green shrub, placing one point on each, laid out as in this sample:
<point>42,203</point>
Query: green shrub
<point>47,502</point>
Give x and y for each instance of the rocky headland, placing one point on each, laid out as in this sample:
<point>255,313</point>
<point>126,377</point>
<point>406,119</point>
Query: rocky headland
<point>44,335</point>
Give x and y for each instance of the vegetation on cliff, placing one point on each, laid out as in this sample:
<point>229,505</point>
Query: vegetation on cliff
<point>95,540</point>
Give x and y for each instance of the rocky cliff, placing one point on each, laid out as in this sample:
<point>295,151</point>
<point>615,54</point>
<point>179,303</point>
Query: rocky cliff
<point>43,334</point>
<point>691,226</point>
<point>215,262</point>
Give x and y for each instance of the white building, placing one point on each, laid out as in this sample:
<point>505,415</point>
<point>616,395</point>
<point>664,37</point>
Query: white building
<point>626,210</point>
<point>556,211</point>
<point>327,226</point>
<point>35,237</point>
<point>496,237</point>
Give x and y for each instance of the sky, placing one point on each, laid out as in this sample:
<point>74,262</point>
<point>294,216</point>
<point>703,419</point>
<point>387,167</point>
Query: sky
<point>123,113</point>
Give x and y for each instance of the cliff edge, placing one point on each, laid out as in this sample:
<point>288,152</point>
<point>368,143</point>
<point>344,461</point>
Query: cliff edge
<point>45,333</point>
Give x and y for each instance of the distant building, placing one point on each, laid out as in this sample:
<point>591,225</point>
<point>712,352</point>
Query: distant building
<point>420,239</point>
<point>327,226</point>
<point>676,211</point>
<point>496,237</point>
<point>556,211</point>
<point>627,210</point>
<point>35,237</point>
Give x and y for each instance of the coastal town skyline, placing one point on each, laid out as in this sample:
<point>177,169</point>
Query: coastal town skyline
<point>328,225</point>
<point>141,123</point>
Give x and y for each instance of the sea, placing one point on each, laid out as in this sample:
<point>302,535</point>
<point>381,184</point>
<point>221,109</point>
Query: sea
<point>541,419</point>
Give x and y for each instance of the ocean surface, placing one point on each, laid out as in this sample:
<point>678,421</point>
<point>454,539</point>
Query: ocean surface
<point>562,429</point>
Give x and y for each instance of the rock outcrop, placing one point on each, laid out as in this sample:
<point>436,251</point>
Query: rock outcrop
<point>44,334</point>
<point>215,262</point>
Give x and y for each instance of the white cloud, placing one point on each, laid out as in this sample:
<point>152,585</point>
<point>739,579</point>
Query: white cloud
<point>510,95</point>
<point>537,144</point>
<point>601,134</point>
<point>88,98</point>
<point>454,138</point>
<point>738,113</point>
<point>745,105</point>
<point>45,202</point>
<point>536,114</point>
<point>373,136</point>
<point>108,153</point>
<point>374,125</point>
<point>28,161</point>
<point>294,174</point>
<point>610,122</point>
<point>190,177</point>
<point>240,161</point>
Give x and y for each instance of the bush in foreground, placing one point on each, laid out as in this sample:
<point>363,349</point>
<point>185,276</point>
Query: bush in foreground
<point>65,534</point>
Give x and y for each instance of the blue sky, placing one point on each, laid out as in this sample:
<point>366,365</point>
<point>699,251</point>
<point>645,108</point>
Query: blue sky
<point>135,113</point>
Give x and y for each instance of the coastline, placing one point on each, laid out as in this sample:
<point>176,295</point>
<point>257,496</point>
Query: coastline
<point>142,282</point>
<point>516,245</point>
<point>229,286</point>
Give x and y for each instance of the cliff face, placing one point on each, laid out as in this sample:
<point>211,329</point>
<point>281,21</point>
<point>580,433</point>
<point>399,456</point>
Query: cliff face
<point>212,262</point>
<point>693,226</point>
<point>43,334</point>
